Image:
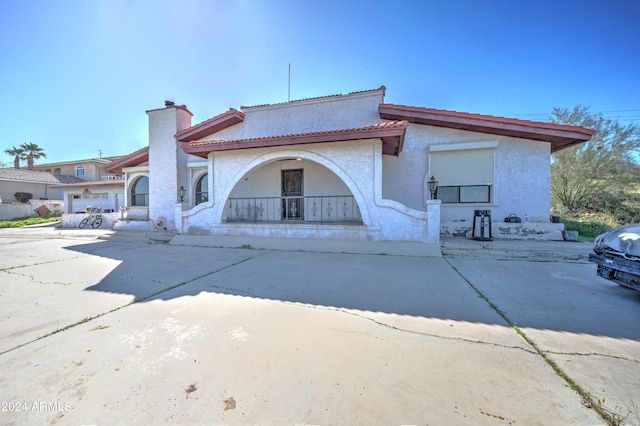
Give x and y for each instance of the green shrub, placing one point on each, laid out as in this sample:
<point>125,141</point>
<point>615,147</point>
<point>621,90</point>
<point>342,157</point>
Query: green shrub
<point>23,197</point>
<point>20,222</point>
<point>587,229</point>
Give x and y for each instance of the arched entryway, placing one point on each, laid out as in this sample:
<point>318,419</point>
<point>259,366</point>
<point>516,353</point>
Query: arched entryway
<point>294,187</point>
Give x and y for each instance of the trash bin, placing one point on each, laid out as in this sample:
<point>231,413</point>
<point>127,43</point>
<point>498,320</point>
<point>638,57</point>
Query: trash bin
<point>481,225</point>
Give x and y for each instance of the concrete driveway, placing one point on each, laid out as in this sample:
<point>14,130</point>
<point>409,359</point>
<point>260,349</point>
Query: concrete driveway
<point>120,331</point>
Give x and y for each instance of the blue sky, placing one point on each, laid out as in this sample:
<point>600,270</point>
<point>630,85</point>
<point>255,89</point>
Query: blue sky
<point>76,76</point>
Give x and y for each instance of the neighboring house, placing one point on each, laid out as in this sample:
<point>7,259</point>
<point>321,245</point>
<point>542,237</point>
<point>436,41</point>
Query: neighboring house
<point>88,170</point>
<point>78,183</point>
<point>38,183</point>
<point>92,185</point>
<point>341,167</point>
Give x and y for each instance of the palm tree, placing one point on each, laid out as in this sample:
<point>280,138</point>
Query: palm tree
<point>31,152</point>
<point>17,153</point>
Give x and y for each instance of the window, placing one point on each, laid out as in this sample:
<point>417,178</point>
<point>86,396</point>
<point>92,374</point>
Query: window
<point>80,171</point>
<point>140,192</point>
<point>465,171</point>
<point>464,194</point>
<point>202,189</point>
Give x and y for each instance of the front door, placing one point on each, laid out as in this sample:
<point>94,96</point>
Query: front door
<point>292,192</point>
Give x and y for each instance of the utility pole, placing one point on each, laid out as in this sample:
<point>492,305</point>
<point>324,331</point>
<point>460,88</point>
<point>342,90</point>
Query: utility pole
<point>100,153</point>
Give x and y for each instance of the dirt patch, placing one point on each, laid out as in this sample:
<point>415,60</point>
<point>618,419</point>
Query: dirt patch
<point>229,404</point>
<point>191,388</point>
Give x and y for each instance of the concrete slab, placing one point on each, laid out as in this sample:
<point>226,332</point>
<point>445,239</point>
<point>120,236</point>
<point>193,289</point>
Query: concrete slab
<point>394,291</point>
<point>221,335</point>
<point>19,252</point>
<point>52,284</point>
<point>584,323</point>
<point>217,358</point>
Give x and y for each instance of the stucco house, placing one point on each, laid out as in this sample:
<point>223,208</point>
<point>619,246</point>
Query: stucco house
<point>76,184</point>
<point>91,185</point>
<point>88,170</point>
<point>348,167</point>
<point>41,185</point>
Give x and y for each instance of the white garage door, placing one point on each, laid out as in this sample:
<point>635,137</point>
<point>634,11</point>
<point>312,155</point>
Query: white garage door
<point>82,201</point>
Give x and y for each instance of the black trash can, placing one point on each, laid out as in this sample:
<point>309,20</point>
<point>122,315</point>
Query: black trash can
<point>481,225</point>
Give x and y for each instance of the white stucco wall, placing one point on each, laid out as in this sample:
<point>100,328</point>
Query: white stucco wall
<point>521,174</point>
<point>72,220</point>
<point>523,177</point>
<point>21,210</point>
<point>331,113</point>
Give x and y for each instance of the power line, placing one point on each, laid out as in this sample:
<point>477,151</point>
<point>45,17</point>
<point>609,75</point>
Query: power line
<point>605,114</point>
<point>595,112</point>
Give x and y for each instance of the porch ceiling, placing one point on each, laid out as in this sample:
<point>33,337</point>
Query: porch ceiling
<point>559,135</point>
<point>391,133</point>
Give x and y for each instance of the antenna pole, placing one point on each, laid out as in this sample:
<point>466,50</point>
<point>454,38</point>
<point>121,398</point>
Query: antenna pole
<point>289,90</point>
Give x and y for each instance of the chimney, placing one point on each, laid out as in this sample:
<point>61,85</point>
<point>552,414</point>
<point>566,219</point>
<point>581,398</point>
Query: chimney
<point>167,162</point>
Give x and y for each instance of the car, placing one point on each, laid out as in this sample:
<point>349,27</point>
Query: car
<point>617,254</point>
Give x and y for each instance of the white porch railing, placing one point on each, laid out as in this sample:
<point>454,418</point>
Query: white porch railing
<point>113,177</point>
<point>323,209</point>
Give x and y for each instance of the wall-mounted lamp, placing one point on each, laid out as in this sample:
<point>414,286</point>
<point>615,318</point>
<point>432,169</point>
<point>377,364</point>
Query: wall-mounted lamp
<point>298,159</point>
<point>182,192</point>
<point>433,186</point>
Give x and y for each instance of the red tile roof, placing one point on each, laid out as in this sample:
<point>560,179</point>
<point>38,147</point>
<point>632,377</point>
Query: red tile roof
<point>135,158</point>
<point>559,135</point>
<point>210,126</point>
<point>391,133</point>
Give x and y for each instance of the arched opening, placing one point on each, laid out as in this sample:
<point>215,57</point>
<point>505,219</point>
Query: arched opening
<point>292,190</point>
<point>140,192</point>
<point>202,189</point>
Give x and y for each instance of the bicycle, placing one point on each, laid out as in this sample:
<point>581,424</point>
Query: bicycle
<point>94,219</point>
